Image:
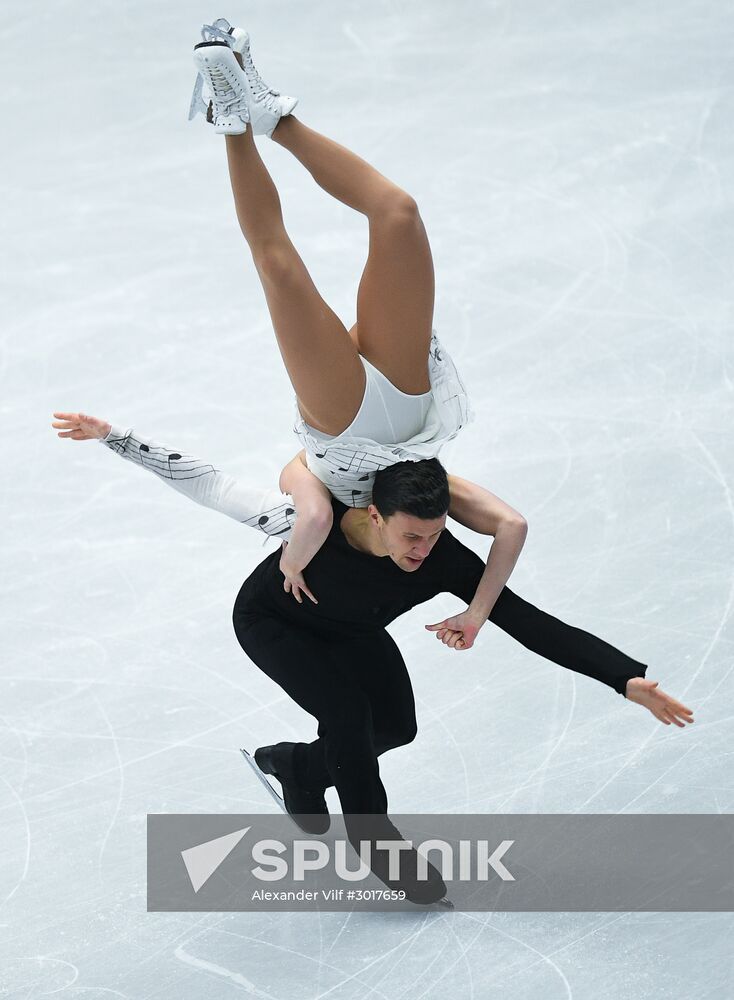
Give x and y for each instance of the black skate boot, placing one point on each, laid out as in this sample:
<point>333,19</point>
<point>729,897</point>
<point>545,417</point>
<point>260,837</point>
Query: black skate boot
<point>425,891</point>
<point>307,808</point>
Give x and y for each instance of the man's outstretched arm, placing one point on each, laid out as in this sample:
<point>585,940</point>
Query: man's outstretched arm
<point>561,643</point>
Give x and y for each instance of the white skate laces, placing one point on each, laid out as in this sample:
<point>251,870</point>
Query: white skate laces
<point>220,31</point>
<point>260,91</point>
<point>264,106</point>
<point>225,83</point>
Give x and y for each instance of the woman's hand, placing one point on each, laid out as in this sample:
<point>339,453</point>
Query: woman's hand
<point>662,706</point>
<point>460,631</point>
<point>294,582</point>
<point>81,427</point>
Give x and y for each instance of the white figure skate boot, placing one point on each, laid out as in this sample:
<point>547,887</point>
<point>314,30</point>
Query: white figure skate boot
<point>266,106</point>
<point>227,85</point>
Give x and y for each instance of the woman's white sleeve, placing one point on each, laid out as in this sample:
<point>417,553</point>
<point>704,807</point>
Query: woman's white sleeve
<point>267,510</point>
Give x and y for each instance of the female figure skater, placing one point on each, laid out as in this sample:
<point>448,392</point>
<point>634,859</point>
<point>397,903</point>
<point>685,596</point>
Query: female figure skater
<point>383,392</point>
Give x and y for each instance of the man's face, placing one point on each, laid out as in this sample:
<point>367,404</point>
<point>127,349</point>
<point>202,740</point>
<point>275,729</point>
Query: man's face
<point>408,539</point>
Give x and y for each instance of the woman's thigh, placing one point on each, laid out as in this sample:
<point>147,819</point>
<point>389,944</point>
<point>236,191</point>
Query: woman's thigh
<point>321,359</point>
<point>395,298</point>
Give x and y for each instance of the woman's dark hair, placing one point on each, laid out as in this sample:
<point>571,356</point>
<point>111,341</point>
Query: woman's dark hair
<point>417,488</point>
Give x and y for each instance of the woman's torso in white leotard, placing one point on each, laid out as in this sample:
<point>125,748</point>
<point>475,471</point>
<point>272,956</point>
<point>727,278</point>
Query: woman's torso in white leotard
<point>387,414</point>
<point>391,426</point>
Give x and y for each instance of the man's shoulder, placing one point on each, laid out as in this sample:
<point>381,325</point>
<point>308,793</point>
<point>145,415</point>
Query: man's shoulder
<point>457,569</point>
<point>443,552</point>
<point>451,553</point>
<point>446,541</point>
<point>335,538</point>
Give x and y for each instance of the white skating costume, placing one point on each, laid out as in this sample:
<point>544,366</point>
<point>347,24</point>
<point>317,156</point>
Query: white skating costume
<point>347,463</point>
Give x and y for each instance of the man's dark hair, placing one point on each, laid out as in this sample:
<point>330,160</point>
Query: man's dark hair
<point>417,488</point>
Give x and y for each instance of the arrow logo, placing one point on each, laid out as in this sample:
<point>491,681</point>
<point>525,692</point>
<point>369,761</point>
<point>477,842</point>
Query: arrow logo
<point>204,859</point>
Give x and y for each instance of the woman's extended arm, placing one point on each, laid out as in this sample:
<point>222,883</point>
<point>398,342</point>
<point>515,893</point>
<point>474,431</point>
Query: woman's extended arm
<point>482,511</point>
<point>266,510</point>
<point>315,518</point>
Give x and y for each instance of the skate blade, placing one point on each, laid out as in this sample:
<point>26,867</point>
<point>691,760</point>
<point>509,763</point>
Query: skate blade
<point>197,105</point>
<point>444,904</point>
<point>263,779</point>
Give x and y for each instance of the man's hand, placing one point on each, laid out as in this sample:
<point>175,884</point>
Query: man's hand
<point>662,706</point>
<point>460,631</point>
<point>294,582</point>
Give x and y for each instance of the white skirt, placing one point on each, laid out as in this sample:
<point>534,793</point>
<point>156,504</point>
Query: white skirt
<point>346,463</point>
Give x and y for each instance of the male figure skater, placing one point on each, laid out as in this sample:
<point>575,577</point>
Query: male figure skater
<point>335,658</point>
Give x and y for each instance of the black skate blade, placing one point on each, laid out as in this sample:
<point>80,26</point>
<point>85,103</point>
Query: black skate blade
<point>263,779</point>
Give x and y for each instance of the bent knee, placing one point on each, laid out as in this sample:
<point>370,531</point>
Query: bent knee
<point>395,738</point>
<point>408,734</point>
<point>276,263</point>
<point>399,207</point>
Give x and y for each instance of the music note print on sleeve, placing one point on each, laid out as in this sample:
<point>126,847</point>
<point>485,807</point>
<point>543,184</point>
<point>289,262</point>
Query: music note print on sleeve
<point>260,508</point>
<point>156,458</point>
<point>274,521</point>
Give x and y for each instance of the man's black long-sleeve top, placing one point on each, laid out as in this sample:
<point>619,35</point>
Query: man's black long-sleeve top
<point>359,592</point>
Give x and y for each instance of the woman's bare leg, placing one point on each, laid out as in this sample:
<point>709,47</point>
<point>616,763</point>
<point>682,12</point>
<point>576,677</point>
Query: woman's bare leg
<point>396,292</point>
<point>321,360</point>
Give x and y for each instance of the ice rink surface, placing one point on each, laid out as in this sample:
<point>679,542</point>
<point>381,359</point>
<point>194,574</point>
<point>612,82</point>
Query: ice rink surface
<point>573,165</point>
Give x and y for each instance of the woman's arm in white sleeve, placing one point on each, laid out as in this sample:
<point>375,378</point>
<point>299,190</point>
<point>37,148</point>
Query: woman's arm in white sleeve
<point>267,510</point>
